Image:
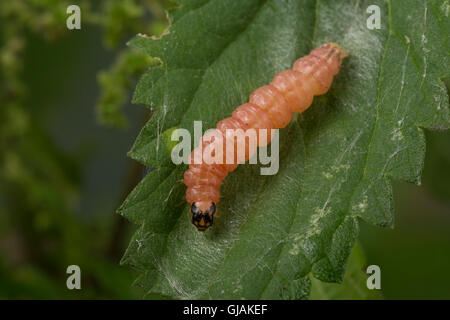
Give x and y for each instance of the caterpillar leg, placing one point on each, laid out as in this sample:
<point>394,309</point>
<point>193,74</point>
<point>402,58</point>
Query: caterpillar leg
<point>203,214</point>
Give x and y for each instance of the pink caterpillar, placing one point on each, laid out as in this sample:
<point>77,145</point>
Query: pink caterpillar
<point>270,107</point>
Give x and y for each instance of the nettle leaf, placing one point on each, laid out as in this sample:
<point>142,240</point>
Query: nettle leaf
<point>337,159</point>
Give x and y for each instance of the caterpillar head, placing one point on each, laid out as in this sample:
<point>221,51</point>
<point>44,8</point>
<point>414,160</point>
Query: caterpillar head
<point>203,214</point>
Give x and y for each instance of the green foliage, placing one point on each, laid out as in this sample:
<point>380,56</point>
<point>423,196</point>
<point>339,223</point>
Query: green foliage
<point>40,232</point>
<point>337,159</point>
<point>124,16</point>
<point>116,83</point>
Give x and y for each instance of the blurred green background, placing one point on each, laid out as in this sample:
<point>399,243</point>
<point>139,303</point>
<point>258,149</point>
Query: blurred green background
<point>65,128</point>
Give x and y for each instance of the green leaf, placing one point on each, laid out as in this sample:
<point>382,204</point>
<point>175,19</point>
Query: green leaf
<point>337,159</point>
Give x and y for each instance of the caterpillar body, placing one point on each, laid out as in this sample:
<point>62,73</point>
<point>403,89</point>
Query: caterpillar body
<point>269,107</point>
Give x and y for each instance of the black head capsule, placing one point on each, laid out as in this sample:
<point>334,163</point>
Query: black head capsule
<point>203,214</point>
